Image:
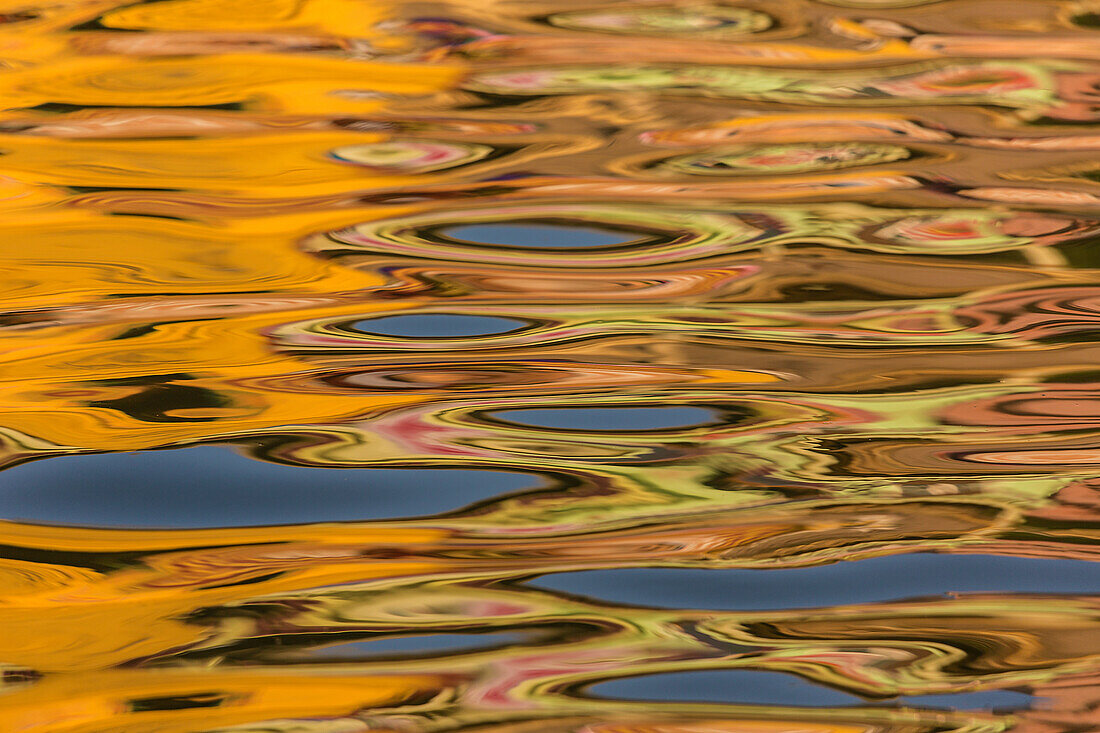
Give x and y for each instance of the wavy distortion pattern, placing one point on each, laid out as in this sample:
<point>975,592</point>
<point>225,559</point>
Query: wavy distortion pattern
<point>658,367</point>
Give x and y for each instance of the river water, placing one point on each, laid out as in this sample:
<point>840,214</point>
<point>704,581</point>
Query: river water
<point>548,366</point>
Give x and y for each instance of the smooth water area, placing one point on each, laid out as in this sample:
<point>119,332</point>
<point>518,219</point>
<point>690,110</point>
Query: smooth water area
<point>215,487</point>
<point>768,688</point>
<point>610,418</point>
<point>544,236</point>
<point>871,580</point>
<point>441,325</point>
<point>501,366</point>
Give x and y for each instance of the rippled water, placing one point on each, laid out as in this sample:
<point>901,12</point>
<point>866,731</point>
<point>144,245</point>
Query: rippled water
<point>547,366</point>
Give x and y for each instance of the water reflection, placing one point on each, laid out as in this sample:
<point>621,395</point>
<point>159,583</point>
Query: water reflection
<point>542,236</point>
<point>217,487</point>
<point>609,418</point>
<point>549,367</point>
<point>767,688</point>
<point>870,580</point>
<point>416,645</point>
<point>442,325</point>
<point>725,686</point>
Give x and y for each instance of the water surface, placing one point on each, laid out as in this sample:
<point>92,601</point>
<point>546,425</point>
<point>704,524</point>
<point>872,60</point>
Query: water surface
<point>549,367</point>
